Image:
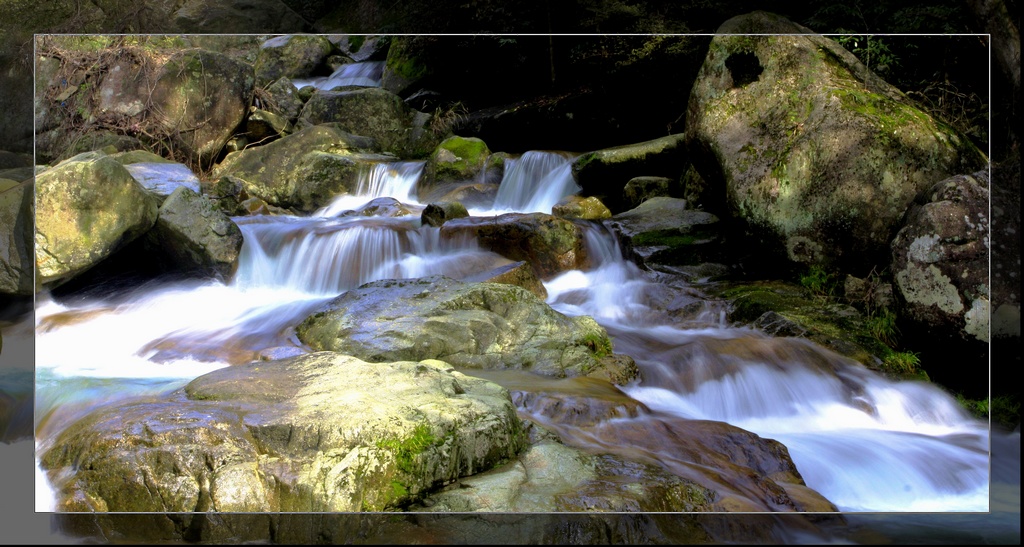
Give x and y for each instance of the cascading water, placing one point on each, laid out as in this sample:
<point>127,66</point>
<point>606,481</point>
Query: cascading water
<point>534,183</point>
<point>364,74</point>
<point>859,439</point>
<point>866,443</point>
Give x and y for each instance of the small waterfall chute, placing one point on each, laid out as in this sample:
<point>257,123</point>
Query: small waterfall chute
<point>535,182</point>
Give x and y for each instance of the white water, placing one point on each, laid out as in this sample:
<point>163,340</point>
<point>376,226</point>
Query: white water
<point>533,183</point>
<point>887,447</point>
<point>363,74</point>
<point>864,442</point>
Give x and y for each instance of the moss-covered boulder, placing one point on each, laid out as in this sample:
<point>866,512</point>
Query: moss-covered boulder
<point>375,113</point>
<point>475,325</point>
<point>816,153</point>
<point>199,99</point>
<point>318,433</point>
<point>605,173</point>
<point>550,244</point>
<point>455,160</point>
<point>193,236</point>
<point>290,56</point>
<point>17,201</point>
<point>409,60</point>
<point>87,207</point>
<point>303,170</point>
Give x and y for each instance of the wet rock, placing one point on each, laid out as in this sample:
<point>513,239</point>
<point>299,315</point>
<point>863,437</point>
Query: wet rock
<point>785,309</point>
<point>381,207</point>
<point>474,325</point>
<point>663,231</point>
<point>551,245</point>
<point>161,178</point>
<point>455,160</point>
<point>436,214</point>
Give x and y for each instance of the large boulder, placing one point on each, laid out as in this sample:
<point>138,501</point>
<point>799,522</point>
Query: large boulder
<point>317,433</point>
<point>199,99</point>
<point>476,325</point>
<point>87,207</point>
<point>550,244</point>
<point>940,259</point>
<point>303,170</point>
<point>605,173</point>
<point>290,56</point>
<point>374,113</point>
<point>940,264</point>
<point>193,235</point>
<point>817,154</point>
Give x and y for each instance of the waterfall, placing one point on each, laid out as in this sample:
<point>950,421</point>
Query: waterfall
<point>381,179</point>
<point>535,182</point>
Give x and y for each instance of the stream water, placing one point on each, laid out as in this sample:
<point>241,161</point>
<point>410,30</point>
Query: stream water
<point>866,443</point>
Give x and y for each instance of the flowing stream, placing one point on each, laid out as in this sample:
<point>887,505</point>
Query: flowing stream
<point>866,443</point>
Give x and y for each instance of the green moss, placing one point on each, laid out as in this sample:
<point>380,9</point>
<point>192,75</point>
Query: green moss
<point>670,238</point>
<point>466,148</point>
<point>407,450</point>
<point>409,68</point>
